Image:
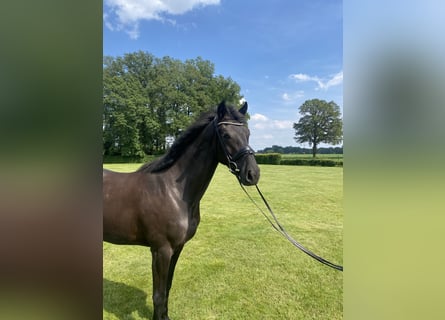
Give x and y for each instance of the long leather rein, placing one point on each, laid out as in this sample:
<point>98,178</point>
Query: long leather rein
<point>233,168</point>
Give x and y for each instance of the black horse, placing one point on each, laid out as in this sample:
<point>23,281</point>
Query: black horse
<point>158,205</point>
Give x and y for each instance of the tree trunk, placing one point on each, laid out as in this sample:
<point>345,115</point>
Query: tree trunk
<point>314,150</point>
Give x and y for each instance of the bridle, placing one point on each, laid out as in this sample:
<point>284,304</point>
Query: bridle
<point>232,159</point>
<point>233,168</point>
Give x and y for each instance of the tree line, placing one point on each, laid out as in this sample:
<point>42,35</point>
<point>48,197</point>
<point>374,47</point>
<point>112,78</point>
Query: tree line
<point>299,150</point>
<point>148,101</point>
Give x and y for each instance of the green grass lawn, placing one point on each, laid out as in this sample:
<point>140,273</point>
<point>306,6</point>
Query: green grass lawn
<point>237,266</point>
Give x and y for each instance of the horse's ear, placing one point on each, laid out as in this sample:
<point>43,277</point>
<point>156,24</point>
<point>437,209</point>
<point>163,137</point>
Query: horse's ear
<point>222,110</point>
<point>243,109</point>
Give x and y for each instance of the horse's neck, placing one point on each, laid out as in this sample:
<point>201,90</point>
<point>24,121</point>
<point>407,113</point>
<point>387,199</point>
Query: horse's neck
<point>196,167</point>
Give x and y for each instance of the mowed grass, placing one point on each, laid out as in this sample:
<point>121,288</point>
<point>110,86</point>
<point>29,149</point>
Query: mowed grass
<point>237,266</point>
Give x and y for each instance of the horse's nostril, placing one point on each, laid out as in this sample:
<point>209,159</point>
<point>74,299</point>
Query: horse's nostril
<point>249,176</point>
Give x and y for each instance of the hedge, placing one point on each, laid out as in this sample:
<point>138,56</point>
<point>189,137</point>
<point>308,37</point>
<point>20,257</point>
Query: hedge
<point>311,162</point>
<point>261,158</point>
<point>275,158</point>
<point>122,159</point>
<point>268,158</point>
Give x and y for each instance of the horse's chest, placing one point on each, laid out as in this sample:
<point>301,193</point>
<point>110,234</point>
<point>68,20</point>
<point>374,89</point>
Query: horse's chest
<point>183,225</point>
<point>192,223</point>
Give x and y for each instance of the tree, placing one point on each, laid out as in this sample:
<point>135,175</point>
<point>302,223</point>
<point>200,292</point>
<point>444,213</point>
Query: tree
<point>149,100</point>
<point>123,111</point>
<point>320,122</point>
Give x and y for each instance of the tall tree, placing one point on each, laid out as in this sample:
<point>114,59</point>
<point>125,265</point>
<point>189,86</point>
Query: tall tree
<point>148,100</point>
<point>320,122</point>
<point>123,111</point>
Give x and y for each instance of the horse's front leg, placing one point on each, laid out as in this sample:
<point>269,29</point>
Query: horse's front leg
<point>160,268</point>
<point>171,269</point>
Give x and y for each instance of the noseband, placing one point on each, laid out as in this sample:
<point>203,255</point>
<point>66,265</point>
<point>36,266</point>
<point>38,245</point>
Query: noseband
<point>231,160</point>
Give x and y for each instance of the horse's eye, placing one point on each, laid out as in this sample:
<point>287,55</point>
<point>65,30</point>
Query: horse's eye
<point>226,136</point>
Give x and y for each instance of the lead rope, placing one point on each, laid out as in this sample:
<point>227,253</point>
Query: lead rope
<point>233,168</point>
<point>283,231</point>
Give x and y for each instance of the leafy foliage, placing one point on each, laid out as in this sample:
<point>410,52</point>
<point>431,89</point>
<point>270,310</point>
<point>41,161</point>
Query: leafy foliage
<point>268,158</point>
<point>149,100</point>
<point>299,159</point>
<point>311,162</point>
<point>320,122</point>
<point>299,150</point>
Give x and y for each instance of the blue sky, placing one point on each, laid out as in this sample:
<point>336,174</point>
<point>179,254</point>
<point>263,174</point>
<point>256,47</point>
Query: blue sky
<point>280,52</point>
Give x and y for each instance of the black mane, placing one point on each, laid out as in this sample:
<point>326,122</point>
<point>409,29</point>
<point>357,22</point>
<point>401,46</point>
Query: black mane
<point>186,138</point>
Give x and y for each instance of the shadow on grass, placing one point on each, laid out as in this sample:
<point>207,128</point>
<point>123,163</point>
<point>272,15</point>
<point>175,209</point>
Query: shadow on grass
<point>124,301</point>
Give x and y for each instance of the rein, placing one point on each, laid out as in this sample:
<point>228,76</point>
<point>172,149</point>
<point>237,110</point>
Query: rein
<point>283,231</point>
<point>233,168</point>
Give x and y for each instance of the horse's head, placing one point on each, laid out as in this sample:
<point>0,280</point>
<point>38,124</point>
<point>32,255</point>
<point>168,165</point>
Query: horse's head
<point>233,147</point>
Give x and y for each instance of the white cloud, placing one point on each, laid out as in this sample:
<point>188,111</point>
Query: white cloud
<point>266,131</point>
<point>261,122</point>
<point>258,117</point>
<point>282,124</point>
<point>335,80</point>
<point>267,136</point>
<point>324,84</point>
<point>128,13</point>
<point>303,77</point>
<point>290,97</point>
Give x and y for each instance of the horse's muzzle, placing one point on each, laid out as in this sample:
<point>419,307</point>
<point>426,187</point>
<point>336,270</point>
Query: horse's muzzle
<point>249,174</point>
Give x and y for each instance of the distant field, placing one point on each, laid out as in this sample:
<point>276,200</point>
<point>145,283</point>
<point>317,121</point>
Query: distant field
<point>237,266</point>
